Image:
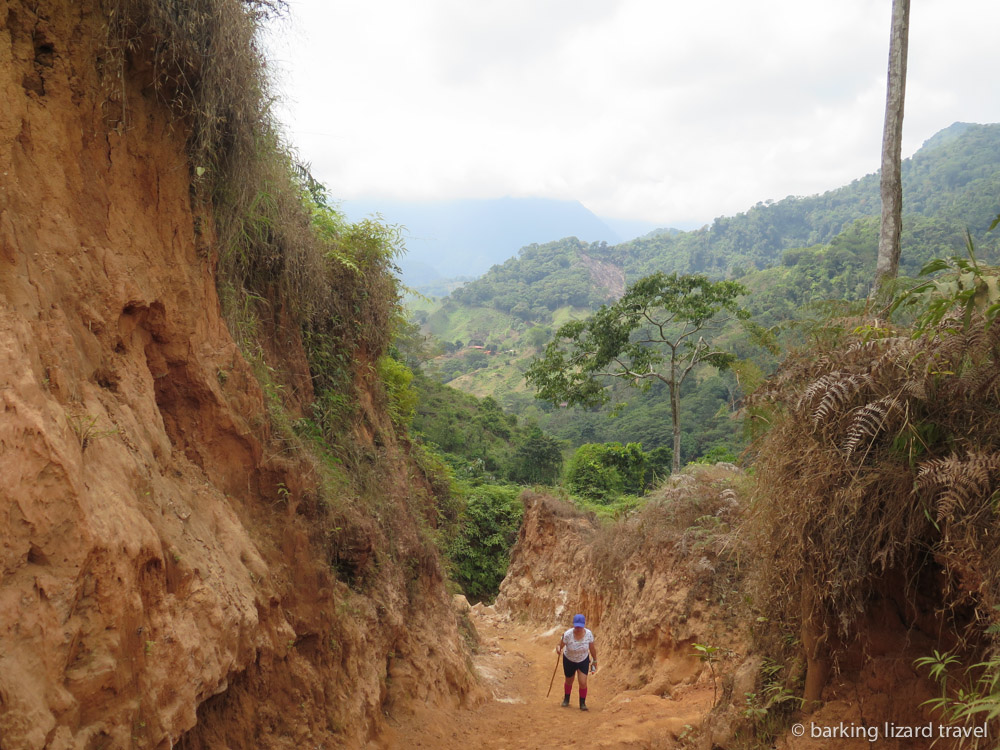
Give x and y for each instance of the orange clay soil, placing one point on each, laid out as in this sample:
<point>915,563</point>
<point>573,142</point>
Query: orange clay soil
<point>515,662</point>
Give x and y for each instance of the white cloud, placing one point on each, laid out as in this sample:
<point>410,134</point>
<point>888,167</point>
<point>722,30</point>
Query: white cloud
<point>668,111</point>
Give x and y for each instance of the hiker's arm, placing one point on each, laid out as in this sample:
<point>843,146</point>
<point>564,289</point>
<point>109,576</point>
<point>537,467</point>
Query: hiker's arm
<point>559,648</point>
<point>593,652</point>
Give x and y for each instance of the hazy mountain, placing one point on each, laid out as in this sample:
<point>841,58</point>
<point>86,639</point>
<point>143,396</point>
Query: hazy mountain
<point>952,177</point>
<point>950,186</point>
<point>445,239</point>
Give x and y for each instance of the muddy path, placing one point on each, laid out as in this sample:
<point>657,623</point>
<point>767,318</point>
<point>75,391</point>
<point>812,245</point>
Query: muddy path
<point>515,662</point>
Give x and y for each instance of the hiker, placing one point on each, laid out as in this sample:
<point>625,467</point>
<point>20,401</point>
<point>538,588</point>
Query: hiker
<point>577,647</point>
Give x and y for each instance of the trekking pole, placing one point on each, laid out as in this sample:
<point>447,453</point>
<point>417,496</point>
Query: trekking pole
<point>554,670</point>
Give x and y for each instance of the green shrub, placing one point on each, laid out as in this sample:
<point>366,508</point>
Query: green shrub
<point>538,460</point>
<point>397,379</point>
<point>590,477</point>
<point>488,529</point>
<point>716,454</point>
<point>602,471</point>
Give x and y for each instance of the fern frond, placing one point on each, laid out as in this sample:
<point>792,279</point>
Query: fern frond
<point>960,482</point>
<point>901,354</point>
<point>871,347</point>
<point>835,392</point>
<point>952,345</point>
<point>837,396</point>
<point>868,421</point>
<point>981,384</point>
<point>915,389</point>
<point>815,388</point>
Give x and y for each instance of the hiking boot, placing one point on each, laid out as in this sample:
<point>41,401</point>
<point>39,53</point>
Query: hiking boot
<point>565,701</point>
<point>583,704</point>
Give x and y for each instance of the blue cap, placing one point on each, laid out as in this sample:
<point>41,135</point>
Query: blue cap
<point>579,621</point>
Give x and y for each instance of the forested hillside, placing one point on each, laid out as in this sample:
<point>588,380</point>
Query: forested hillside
<point>790,254</point>
<point>949,181</point>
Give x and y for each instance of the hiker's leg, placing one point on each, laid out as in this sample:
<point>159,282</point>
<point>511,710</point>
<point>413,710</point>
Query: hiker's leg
<point>583,684</point>
<point>569,669</point>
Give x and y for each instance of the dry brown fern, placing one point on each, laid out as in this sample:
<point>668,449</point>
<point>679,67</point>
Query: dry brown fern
<point>871,347</point>
<point>868,421</point>
<point>923,416</point>
<point>959,483</point>
<point>981,384</point>
<point>837,391</point>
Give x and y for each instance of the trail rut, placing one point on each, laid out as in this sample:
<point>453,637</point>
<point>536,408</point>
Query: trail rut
<point>515,661</point>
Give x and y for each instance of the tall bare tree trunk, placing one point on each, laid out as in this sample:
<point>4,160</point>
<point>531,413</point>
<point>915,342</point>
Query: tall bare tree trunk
<point>675,418</point>
<point>892,136</point>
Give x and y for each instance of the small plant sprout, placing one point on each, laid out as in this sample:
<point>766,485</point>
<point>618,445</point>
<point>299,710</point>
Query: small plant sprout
<point>709,655</point>
<point>85,428</point>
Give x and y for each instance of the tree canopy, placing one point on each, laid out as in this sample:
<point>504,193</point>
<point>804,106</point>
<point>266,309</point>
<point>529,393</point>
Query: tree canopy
<point>655,332</point>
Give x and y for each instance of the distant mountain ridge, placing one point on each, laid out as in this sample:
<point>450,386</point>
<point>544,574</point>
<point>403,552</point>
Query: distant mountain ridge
<point>447,239</point>
<point>954,176</point>
<point>953,180</point>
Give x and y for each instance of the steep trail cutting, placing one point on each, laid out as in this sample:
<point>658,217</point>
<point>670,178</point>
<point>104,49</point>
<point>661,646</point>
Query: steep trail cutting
<point>170,549</point>
<point>652,586</point>
<point>515,661</point>
<point>660,589</point>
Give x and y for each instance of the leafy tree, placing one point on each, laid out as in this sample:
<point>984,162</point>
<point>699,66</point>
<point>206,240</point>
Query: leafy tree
<point>538,460</point>
<point>630,462</point>
<point>655,332</point>
<point>536,336</point>
<point>590,475</point>
<point>481,551</point>
<point>602,471</point>
<point>476,359</point>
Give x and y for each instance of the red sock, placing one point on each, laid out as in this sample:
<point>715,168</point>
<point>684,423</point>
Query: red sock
<point>583,694</point>
<point>568,686</point>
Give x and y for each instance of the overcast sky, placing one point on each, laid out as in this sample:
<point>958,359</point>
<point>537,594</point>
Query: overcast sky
<point>672,112</point>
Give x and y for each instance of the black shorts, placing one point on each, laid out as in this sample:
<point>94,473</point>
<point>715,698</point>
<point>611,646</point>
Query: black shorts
<point>570,667</point>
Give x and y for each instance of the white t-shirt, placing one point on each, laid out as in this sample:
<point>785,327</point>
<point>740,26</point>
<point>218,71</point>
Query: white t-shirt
<point>576,651</point>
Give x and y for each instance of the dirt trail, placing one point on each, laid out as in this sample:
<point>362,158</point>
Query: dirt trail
<point>516,662</point>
